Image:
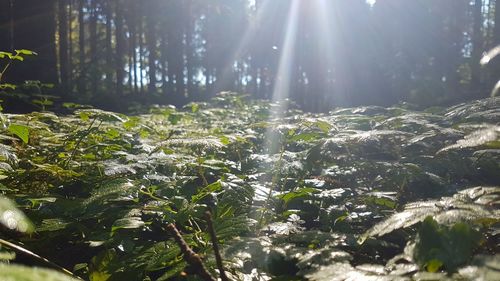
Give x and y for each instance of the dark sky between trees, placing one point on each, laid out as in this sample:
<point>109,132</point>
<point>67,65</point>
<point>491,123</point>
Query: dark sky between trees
<point>342,52</point>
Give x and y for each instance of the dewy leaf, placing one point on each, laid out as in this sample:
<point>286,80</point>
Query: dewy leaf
<point>323,126</point>
<point>10,272</point>
<point>481,268</point>
<point>342,271</point>
<point>127,223</point>
<point>477,138</point>
<point>21,131</point>
<point>12,218</point>
<point>299,193</point>
<point>102,115</point>
<point>470,205</point>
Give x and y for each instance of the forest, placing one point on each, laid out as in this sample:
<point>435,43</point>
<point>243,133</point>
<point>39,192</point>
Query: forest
<point>249,140</point>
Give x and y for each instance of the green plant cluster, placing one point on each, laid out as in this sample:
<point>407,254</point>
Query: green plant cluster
<point>338,196</point>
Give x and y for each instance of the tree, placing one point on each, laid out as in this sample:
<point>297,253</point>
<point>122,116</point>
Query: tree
<point>34,28</point>
<point>63,45</point>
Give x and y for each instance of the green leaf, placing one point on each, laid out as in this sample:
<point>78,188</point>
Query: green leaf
<point>174,118</point>
<point>211,188</point>
<point>105,116</point>
<point>470,205</point>
<point>300,193</point>
<point>131,123</point>
<point>21,131</point>
<point>5,54</point>
<point>43,102</point>
<point>441,246</point>
<point>99,268</point>
<point>127,223</point>
<point>24,273</point>
<point>487,137</point>
<point>323,126</point>
<point>12,218</point>
<point>306,137</point>
<point>195,107</point>
<point>84,116</point>
<point>433,265</point>
<point>26,52</point>
<point>19,58</point>
<point>8,86</point>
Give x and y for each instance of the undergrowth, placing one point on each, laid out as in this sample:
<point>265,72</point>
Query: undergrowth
<point>367,193</point>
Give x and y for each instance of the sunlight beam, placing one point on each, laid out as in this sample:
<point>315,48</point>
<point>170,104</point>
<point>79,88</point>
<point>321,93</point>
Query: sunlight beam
<point>283,78</point>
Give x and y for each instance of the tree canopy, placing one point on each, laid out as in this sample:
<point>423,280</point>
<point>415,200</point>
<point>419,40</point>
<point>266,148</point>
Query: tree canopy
<point>171,51</point>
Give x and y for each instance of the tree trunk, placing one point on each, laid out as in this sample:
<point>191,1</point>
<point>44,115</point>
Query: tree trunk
<point>63,46</point>
<point>152,48</point>
<point>93,47</point>
<point>5,25</point>
<point>34,29</point>
<point>120,49</point>
<point>70,47</point>
<point>109,46</point>
<point>81,47</point>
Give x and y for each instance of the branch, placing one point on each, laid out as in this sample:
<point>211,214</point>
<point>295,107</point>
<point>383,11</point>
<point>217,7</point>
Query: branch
<point>192,258</point>
<point>215,246</point>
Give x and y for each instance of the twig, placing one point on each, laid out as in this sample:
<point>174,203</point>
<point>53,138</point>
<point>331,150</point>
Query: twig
<point>77,145</point>
<point>192,258</point>
<point>215,246</point>
<point>46,262</point>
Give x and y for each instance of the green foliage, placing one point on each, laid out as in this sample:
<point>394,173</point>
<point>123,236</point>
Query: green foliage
<point>100,187</point>
<point>439,246</point>
<point>470,205</point>
<point>24,273</point>
<point>9,58</point>
<point>21,131</point>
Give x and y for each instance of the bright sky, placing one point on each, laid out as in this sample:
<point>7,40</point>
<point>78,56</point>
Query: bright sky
<point>371,2</point>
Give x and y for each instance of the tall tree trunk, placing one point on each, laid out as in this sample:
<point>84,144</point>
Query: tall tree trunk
<point>120,49</point>
<point>141,58</point>
<point>70,47</point>
<point>109,45</point>
<point>152,48</point>
<point>477,47</point>
<point>63,45</point>
<point>93,47</point>
<point>81,47</point>
<point>35,28</point>
<point>4,25</point>
<point>132,42</point>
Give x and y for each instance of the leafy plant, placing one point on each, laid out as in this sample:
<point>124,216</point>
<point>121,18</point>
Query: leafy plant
<point>438,246</point>
<point>9,57</point>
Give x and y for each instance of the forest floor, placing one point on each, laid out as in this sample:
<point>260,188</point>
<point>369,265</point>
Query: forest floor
<point>366,193</point>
